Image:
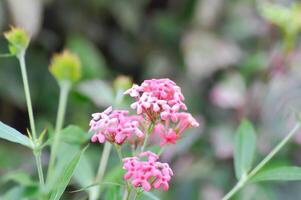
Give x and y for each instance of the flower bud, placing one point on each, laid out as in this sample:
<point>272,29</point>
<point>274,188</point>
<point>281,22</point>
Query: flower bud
<point>122,83</point>
<point>66,66</point>
<point>18,40</point>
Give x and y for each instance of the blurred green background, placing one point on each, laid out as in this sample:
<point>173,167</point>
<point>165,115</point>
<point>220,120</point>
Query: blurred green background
<point>233,59</point>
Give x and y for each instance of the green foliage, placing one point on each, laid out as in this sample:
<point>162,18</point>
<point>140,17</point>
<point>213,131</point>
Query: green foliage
<point>98,91</point>
<point>245,145</point>
<point>65,177</point>
<point>94,65</point>
<point>289,173</point>
<point>10,134</point>
<point>287,18</point>
<point>73,134</point>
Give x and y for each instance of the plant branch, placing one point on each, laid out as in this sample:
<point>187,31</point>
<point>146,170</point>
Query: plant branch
<point>64,92</point>
<point>37,151</point>
<point>247,177</point>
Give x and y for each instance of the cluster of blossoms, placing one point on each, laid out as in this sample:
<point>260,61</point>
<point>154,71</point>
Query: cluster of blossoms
<point>159,106</point>
<point>114,126</point>
<point>149,173</point>
<point>161,101</point>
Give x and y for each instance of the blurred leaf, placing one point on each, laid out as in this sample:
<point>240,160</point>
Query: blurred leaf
<point>13,194</point>
<point>74,134</point>
<point>150,195</point>
<point>12,135</point>
<point>113,193</point>
<point>21,177</point>
<point>83,173</point>
<point>245,144</point>
<point>66,177</point>
<point>93,62</point>
<point>278,174</point>
<point>98,91</point>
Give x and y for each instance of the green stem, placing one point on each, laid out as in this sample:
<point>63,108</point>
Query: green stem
<point>247,177</point>
<point>37,155</point>
<point>27,95</point>
<point>39,167</point>
<point>127,194</point>
<point>149,131</point>
<point>118,149</point>
<point>101,170</point>
<point>64,92</point>
<point>135,196</point>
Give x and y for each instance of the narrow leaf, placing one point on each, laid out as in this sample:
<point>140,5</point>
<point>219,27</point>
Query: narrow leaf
<point>66,177</point>
<point>279,174</point>
<point>245,144</point>
<point>12,135</point>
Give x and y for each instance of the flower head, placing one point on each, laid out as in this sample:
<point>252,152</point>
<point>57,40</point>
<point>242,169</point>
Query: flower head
<point>161,101</point>
<point>156,96</point>
<point>147,174</point>
<point>18,40</point>
<point>114,126</point>
<point>66,66</point>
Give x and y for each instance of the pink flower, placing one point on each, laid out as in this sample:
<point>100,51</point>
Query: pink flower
<point>115,126</point>
<point>147,174</point>
<point>185,121</point>
<point>156,96</point>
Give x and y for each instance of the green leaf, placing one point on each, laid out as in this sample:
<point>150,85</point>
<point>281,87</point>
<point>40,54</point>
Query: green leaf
<point>74,134</point>
<point>21,177</point>
<point>245,144</point>
<point>93,62</point>
<point>98,91</point>
<point>278,174</point>
<point>12,135</point>
<point>66,176</point>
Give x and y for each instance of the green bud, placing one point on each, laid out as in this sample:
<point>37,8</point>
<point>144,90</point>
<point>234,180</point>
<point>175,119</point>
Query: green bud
<point>122,83</point>
<point>18,40</point>
<point>66,66</point>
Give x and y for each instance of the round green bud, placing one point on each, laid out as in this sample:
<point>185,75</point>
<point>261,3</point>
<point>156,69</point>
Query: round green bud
<point>18,40</point>
<point>66,66</point>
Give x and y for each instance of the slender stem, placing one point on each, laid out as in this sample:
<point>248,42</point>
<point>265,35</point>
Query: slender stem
<point>135,196</point>
<point>95,192</point>
<point>37,154</point>
<point>64,92</point>
<point>149,131</point>
<point>103,161</point>
<point>27,95</point>
<point>39,167</point>
<point>118,149</point>
<point>161,150</point>
<point>127,194</point>
<point>247,177</point>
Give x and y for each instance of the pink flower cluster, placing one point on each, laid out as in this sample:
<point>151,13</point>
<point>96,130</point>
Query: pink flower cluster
<point>161,100</point>
<point>149,173</point>
<point>157,96</point>
<point>114,126</point>
<point>159,104</point>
